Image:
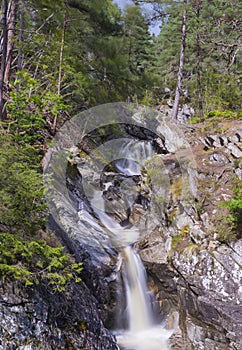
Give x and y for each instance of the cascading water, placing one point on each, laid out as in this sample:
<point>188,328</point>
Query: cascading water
<point>95,155</point>
<point>138,303</point>
<point>143,332</point>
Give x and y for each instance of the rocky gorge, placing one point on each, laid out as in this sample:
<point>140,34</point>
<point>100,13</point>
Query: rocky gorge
<point>192,257</point>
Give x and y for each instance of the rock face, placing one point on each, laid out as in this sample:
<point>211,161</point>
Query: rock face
<point>210,297</point>
<point>201,256</point>
<point>185,112</point>
<point>40,319</point>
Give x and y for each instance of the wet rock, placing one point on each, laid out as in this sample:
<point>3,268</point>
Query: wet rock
<point>177,342</point>
<point>155,251</point>
<point>116,204</point>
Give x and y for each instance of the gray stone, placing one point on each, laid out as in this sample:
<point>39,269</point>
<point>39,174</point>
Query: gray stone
<point>234,150</point>
<point>173,139</point>
<point>223,140</point>
<point>217,142</point>
<point>218,159</point>
<point>234,138</point>
<point>238,172</point>
<point>197,234</point>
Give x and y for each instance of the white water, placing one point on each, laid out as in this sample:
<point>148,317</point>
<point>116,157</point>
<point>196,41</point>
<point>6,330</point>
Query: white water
<point>134,155</point>
<point>143,332</point>
<point>138,303</point>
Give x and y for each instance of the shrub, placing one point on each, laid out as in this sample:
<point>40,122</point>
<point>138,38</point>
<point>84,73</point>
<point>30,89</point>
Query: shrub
<point>21,188</point>
<point>32,261</point>
<point>234,206</point>
<point>29,109</point>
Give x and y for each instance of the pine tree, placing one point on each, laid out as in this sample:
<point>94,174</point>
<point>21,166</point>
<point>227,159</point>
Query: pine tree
<point>4,51</point>
<point>137,48</point>
<point>181,62</point>
<point>213,56</point>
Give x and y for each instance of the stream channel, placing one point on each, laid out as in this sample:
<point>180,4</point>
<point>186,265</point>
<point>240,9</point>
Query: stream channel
<point>102,183</point>
<point>115,197</point>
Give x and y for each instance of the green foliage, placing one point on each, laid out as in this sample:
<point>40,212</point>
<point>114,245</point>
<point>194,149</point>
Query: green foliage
<point>160,199</point>
<point>22,214</point>
<point>234,206</point>
<point>222,115</point>
<point>212,52</point>
<point>106,53</point>
<point>229,220</point>
<point>21,188</point>
<point>109,56</point>
<point>221,90</point>
<point>225,115</point>
<point>32,261</point>
<point>28,109</point>
<point>176,242</point>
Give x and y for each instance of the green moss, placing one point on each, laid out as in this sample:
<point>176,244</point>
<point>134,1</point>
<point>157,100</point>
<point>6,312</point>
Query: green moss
<point>172,215</point>
<point>160,199</point>
<point>177,188</point>
<point>199,208</point>
<point>225,115</point>
<point>82,326</point>
<point>155,175</point>
<point>181,240</point>
<point>176,241</point>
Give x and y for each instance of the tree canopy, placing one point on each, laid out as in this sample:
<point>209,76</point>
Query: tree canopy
<point>61,57</point>
<point>90,52</point>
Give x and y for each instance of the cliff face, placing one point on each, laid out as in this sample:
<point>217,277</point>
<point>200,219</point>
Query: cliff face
<point>40,319</point>
<point>204,259</point>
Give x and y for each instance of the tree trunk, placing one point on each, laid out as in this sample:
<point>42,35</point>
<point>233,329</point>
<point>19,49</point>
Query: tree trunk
<point>181,64</point>
<point>60,63</point>
<point>61,53</point>
<point>198,49</point>
<point>10,43</point>
<point>3,114</point>
<point>21,36</point>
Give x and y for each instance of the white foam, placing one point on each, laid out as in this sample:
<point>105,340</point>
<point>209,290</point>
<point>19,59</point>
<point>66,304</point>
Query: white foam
<point>155,338</point>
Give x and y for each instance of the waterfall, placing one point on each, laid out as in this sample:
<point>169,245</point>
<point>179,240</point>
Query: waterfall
<point>143,332</point>
<point>140,151</point>
<point>138,303</point>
